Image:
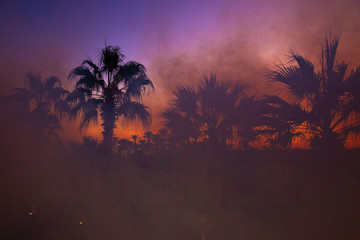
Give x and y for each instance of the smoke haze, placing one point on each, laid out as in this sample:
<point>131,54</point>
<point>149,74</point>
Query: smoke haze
<point>177,42</point>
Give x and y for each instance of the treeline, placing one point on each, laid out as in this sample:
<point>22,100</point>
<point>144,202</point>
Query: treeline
<point>318,106</point>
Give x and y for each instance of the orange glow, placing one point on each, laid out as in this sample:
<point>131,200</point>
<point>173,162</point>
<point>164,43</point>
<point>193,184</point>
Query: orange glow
<point>71,131</point>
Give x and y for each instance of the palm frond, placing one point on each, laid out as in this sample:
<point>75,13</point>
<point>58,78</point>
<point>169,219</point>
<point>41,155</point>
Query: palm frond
<point>50,82</point>
<point>56,93</point>
<point>85,78</point>
<point>130,110</point>
<point>128,71</point>
<point>89,116</point>
<point>352,84</point>
<point>301,80</point>
<point>62,107</point>
<point>79,95</point>
<point>328,55</point>
<point>35,83</point>
<point>90,63</point>
<point>88,110</point>
<point>214,93</point>
<point>185,99</point>
<point>353,128</point>
<point>181,128</point>
<point>138,86</point>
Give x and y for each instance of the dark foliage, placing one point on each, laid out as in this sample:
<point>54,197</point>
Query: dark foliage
<point>216,112</point>
<point>111,89</point>
<point>321,106</point>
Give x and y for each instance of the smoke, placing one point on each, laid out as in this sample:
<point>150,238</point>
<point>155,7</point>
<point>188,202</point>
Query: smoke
<point>249,38</point>
<point>236,40</point>
<point>178,43</point>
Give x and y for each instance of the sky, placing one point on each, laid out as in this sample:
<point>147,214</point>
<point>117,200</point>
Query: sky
<point>178,41</point>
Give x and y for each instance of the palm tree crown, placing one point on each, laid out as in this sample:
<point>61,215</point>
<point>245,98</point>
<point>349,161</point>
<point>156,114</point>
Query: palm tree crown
<point>213,113</point>
<point>39,103</point>
<point>322,106</point>
<point>112,89</point>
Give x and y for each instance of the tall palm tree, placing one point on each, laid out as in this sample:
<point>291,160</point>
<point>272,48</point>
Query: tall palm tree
<point>112,89</point>
<point>322,106</point>
<point>211,113</point>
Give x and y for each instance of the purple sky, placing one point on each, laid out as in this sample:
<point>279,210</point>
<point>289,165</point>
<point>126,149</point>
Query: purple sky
<point>178,41</point>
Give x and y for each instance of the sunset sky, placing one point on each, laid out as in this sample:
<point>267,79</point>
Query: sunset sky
<point>178,41</point>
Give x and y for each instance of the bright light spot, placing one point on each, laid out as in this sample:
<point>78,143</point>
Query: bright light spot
<point>30,213</point>
<point>80,222</point>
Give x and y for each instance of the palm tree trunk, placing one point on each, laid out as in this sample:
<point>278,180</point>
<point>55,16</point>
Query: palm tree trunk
<point>108,120</point>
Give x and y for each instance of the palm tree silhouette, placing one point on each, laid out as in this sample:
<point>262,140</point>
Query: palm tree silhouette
<point>39,103</point>
<point>112,88</point>
<point>321,105</point>
<point>181,118</point>
<point>125,147</point>
<point>157,141</point>
<point>163,133</point>
<point>134,138</point>
<point>212,113</point>
<point>148,136</point>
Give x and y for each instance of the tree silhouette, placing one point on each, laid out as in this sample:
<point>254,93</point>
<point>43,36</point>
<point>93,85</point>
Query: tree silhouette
<point>113,89</point>
<point>181,118</point>
<point>148,136</point>
<point>163,133</point>
<point>157,141</point>
<point>125,147</point>
<point>211,113</point>
<point>322,106</point>
<point>38,104</point>
<point>135,138</point>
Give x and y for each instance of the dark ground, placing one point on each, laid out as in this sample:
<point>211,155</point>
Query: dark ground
<point>76,193</point>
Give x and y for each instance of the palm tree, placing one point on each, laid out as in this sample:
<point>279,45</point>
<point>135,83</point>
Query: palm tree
<point>322,106</point>
<point>124,147</point>
<point>134,138</point>
<point>163,132</point>
<point>211,113</point>
<point>157,141</point>
<point>181,118</point>
<point>39,103</point>
<point>148,136</point>
<point>112,89</point>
